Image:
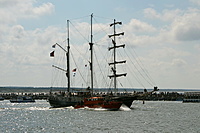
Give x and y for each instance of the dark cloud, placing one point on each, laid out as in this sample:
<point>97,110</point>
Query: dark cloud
<point>188,33</point>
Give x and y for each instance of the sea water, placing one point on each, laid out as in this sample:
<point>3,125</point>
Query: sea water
<point>151,117</point>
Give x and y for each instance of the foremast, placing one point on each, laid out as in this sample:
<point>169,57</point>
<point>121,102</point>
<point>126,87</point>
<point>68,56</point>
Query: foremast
<point>114,48</point>
<point>68,58</point>
<point>91,54</point>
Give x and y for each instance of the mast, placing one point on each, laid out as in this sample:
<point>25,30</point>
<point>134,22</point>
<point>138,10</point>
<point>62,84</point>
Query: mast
<point>68,59</point>
<point>68,62</point>
<point>91,54</point>
<point>114,68</point>
<point>114,59</point>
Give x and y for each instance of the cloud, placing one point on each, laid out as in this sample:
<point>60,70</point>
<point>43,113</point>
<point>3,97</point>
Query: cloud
<point>13,10</point>
<point>17,32</point>
<point>169,53</point>
<point>136,26</point>
<point>183,25</point>
<point>46,8</point>
<point>15,39</point>
<point>139,33</point>
<point>187,26</point>
<point>151,13</point>
<point>26,54</point>
<point>178,62</point>
<point>165,15</point>
<point>195,2</point>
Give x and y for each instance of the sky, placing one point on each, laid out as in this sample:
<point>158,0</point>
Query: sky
<point>164,34</point>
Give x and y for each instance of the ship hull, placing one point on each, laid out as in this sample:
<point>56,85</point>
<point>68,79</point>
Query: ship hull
<point>99,102</point>
<point>62,101</point>
<point>126,100</point>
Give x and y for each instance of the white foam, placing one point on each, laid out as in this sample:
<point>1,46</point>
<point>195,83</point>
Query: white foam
<point>70,107</point>
<point>38,108</point>
<point>124,108</point>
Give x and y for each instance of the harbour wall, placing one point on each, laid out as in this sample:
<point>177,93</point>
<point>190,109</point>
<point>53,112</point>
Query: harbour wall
<point>43,93</point>
<point>164,96</point>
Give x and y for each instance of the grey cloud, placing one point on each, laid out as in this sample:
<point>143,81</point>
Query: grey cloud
<point>188,33</point>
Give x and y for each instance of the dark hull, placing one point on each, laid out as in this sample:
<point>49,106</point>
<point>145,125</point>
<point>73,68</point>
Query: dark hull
<point>126,100</point>
<point>112,105</point>
<point>57,101</point>
<point>61,101</point>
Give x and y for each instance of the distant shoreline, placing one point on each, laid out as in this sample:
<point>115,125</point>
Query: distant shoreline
<point>7,89</point>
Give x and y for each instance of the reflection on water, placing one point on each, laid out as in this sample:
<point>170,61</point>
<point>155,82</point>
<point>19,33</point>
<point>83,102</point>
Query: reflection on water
<point>159,116</point>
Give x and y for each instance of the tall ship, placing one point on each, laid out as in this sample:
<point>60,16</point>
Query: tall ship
<point>72,97</point>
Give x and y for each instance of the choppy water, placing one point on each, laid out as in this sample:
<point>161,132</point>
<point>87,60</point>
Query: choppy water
<point>158,117</point>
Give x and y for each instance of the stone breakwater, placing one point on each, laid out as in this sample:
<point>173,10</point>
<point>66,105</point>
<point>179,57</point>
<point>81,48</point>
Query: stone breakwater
<point>158,96</point>
<point>36,96</point>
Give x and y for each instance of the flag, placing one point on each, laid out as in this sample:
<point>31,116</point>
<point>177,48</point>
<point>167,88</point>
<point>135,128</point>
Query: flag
<point>74,70</point>
<point>52,54</point>
<point>54,46</point>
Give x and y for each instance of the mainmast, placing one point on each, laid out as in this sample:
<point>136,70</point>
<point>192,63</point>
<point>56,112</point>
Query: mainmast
<point>91,54</point>
<point>114,69</point>
<point>68,62</point>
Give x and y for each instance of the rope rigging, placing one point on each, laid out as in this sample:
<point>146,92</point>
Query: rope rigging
<point>146,75</point>
<point>78,69</point>
<point>79,32</point>
<point>80,17</point>
<point>58,78</point>
<point>144,69</point>
<point>104,79</point>
<point>129,69</point>
<point>101,33</point>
